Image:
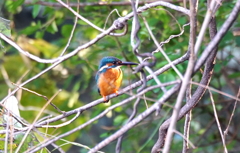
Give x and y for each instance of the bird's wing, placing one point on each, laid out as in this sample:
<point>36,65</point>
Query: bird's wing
<point>96,79</point>
<point>99,92</point>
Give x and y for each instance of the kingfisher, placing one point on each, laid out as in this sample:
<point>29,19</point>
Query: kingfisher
<point>109,76</point>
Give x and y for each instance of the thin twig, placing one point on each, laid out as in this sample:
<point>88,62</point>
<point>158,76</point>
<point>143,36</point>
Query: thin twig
<point>185,80</point>
<point>63,124</point>
<point>209,58</point>
<point>59,60</point>
<point>100,3</point>
<point>31,91</point>
<point>130,87</point>
<point>218,123</point>
<point>134,112</point>
<point>35,120</point>
<point>185,139</point>
<point>162,51</point>
<point>223,30</point>
<point>230,120</point>
<point>174,36</point>
<point>19,93</point>
<point>86,20</point>
<point>114,10</point>
<point>45,97</point>
<point>150,70</point>
<point>124,129</point>
<point>215,90</point>
<point>7,133</point>
<point>136,120</point>
<point>187,122</point>
<point>119,104</point>
<point>79,16</point>
<point>206,21</point>
<point>72,31</point>
<point>6,77</point>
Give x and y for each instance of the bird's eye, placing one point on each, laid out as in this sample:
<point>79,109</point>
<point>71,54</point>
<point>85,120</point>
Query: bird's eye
<point>114,62</point>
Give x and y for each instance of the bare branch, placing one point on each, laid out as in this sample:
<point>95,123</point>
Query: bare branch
<point>102,3</point>
<point>135,121</point>
<point>206,21</point>
<point>134,112</point>
<point>230,120</point>
<point>218,123</point>
<point>187,122</point>
<point>130,87</point>
<point>205,78</point>
<point>59,60</point>
<point>186,79</point>
<point>72,31</point>
<point>35,120</point>
<point>225,27</point>
<point>124,128</point>
<point>185,138</point>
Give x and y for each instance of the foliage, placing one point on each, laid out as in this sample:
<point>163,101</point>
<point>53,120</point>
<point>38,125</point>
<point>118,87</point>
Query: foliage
<point>44,31</point>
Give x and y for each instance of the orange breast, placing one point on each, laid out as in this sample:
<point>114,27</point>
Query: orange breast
<point>110,81</point>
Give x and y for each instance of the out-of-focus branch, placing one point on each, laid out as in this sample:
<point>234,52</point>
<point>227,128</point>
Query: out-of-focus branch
<point>187,122</point>
<point>129,125</point>
<point>206,21</point>
<point>210,57</point>
<point>118,24</point>
<point>218,123</point>
<point>96,102</point>
<point>135,121</point>
<point>217,91</point>
<point>225,27</point>
<point>35,120</point>
<point>72,32</point>
<point>126,3</point>
<point>187,77</point>
<point>134,112</point>
<point>230,120</point>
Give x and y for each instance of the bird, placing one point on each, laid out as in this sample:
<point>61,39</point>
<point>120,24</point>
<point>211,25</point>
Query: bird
<point>109,76</point>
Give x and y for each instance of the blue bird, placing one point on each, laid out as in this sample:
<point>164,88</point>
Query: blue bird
<point>109,76</point>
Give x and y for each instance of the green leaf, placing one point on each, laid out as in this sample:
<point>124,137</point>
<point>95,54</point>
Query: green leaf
<point>237,39</point>
<point>217,67</point>
<point>104,135</point>
<point>66,30</point>
<point>39,34</point>
<point>119,119</point>
<point>54,26</point>
<point>234,75</point>
<point>5,27</point>
<point>12,6</point>
<point>31,29</point>
<point>36,10</point>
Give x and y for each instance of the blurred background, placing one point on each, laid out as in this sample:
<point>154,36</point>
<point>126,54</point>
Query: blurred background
<point>43,29</point>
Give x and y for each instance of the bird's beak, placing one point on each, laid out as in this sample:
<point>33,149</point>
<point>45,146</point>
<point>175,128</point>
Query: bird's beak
<point>128,63</point>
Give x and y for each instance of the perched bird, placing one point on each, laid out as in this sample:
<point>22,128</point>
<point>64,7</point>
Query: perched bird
<point>109,76</point>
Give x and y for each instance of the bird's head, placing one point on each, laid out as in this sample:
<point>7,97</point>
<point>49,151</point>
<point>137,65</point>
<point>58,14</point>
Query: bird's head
<point>112,62</point>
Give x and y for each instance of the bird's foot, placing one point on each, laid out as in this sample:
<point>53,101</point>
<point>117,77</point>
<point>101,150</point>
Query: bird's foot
<point>105,99</point>
<point>116,92</point>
